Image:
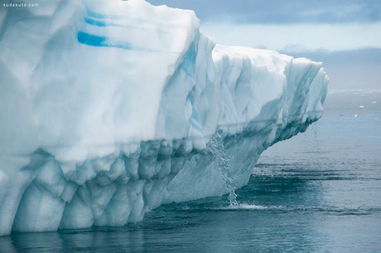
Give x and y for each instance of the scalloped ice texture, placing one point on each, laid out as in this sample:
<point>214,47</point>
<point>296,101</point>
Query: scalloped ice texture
<point>110,108</point>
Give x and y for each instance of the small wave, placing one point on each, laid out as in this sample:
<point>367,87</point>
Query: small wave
<point>244,206</point>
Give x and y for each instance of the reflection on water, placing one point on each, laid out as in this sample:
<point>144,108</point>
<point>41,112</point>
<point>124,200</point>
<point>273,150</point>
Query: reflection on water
<point>319,192</point>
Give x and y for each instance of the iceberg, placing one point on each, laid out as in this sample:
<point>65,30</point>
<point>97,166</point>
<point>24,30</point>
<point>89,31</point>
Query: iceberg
<point>111,108</point>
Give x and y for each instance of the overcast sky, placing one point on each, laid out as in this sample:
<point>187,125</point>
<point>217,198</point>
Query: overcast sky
<point>281,11</point>
<point>297,24</point>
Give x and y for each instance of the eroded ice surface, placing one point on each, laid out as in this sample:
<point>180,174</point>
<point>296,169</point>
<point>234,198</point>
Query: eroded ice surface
<point>110,108</point>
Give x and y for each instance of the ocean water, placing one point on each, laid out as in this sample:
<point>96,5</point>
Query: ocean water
<point>318,192</point>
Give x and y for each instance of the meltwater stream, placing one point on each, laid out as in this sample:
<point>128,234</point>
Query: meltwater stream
<point>318,192</point>
<point>217,148</point>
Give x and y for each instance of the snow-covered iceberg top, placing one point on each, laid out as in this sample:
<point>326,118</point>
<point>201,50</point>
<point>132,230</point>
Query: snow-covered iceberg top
<point>109,108</point>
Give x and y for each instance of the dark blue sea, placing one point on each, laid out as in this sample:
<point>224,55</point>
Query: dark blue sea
<point>318,192</point>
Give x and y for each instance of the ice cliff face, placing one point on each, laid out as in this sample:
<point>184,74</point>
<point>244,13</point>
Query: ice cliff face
<point>110,108</point>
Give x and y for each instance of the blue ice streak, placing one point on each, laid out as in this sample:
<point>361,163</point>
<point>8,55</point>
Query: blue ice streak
<point>91,39</point>
<point>98,41</point>
<point>94,14</point>
<point>95,22</point>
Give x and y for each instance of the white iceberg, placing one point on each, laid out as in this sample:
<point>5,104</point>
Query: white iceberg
<point>110,108</point>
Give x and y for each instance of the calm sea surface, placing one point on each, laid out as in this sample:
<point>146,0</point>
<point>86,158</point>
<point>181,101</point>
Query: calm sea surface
<point>318,192</point>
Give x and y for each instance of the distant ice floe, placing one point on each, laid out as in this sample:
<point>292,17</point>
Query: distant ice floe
<point>354,91</point>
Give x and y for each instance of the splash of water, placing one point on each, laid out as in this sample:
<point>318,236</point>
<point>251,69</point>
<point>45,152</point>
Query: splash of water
<point>217,148</point>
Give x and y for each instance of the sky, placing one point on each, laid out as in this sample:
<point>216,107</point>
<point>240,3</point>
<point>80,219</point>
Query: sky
<point>344,34</point>
<point>296,24</point>
<point>281,11</point>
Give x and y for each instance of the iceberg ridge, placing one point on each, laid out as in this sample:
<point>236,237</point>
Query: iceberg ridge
<point>109,109</point>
